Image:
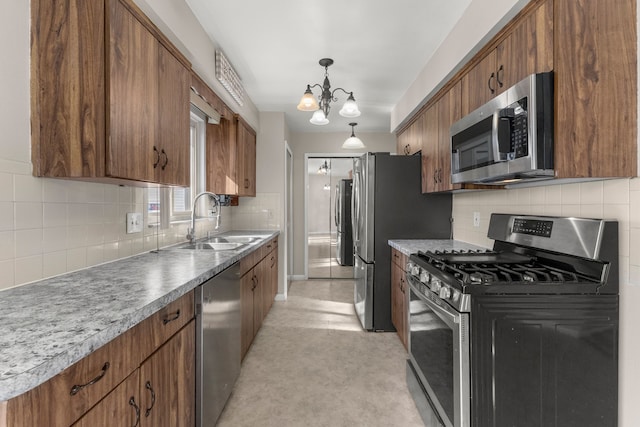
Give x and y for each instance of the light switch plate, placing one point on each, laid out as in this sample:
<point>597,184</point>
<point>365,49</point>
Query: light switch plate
<point>134,222</point>
<point>476,219</point>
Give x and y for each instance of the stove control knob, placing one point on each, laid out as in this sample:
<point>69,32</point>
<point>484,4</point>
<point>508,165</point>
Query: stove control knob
<point>415,270</point>
<point>445,292</point>
<point>456,296</point>
<point>424,276</point>
<point>436,284</point>
<point>409,266</point>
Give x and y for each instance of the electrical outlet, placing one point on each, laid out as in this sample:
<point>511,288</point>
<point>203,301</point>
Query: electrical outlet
<point>476,219</point>
<point>134,222</point>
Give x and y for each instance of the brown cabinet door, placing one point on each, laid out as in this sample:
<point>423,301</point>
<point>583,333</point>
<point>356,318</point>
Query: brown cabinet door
<point>121,407</point>
<point>449,111</point>
<point>595,68</point>
<point>133,97</point>
<point>258,298</point>
<point>528,49</point>
<point>479,84</point>
<point>430,163</point>
<point>167,383</point>
<point>402,143</point>
<point>174,121</point>
<point>222,157</point>
<point>246,159</point>
<point>273,271</point>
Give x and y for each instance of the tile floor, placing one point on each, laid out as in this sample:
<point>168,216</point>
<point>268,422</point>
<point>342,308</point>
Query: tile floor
<point>312,365</point>
<point>323,263</point>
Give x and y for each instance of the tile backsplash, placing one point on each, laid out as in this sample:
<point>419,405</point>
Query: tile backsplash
<point>53,226</point>
<point>613,199</point>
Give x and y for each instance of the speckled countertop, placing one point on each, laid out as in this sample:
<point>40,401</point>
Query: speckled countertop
<point>48,325</point>
<point>411,246</point>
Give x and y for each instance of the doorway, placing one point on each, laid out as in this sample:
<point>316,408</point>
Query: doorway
<point>329,244</point>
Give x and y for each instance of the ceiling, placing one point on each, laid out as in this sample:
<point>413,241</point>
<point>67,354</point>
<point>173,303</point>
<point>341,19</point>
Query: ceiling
<point>378,46</point>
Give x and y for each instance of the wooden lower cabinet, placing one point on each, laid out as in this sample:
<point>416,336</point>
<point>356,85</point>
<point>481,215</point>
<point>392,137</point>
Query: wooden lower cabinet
<point>257,292</point>
<point>159,393</point>
<point>106,387</point>
<point>399,303</point>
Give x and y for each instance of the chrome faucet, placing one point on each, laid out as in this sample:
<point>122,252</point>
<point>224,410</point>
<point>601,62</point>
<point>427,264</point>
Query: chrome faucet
<point>191,232</point>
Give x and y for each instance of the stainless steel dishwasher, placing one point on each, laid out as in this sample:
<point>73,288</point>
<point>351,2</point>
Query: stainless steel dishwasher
<point>217,343</point>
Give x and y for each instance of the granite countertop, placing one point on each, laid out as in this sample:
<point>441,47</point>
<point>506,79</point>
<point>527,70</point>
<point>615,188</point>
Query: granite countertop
<point>411,246</point>
<point>47,326</point>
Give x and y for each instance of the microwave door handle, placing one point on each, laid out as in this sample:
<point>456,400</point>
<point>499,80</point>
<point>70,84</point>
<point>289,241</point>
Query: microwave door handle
<point>503,128</point>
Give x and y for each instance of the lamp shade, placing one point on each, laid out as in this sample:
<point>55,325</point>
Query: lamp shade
<point>319,118</point>
<point>353,143</point>
<point>308,101</point>
<point>350,108</point>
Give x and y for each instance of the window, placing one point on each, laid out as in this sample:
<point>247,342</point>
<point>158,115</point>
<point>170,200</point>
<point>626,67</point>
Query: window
<point>180,199</point>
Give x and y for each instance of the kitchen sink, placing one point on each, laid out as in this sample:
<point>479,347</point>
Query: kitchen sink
<point>216,246</point>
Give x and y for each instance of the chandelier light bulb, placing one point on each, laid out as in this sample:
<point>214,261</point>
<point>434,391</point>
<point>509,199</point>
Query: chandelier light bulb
<point>319,118</point>
<point>350,108</point>
<point>308,101</point>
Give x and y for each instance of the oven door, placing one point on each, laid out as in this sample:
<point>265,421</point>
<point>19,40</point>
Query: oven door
<point>439,352</point>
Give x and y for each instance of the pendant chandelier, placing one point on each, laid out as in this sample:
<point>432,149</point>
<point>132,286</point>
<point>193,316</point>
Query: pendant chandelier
<point>353,142</point>
<point>321,109</point>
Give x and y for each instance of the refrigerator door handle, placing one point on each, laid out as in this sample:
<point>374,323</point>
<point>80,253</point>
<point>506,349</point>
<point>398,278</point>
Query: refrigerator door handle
<point>336,210</point>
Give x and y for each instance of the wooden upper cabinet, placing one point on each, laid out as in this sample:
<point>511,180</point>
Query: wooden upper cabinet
<point>409,141</point>
<point>133,97</point>
<point>595,89</point>
<point>246,140</point>
<point>436,152</point>
<point>526,48</point>
<point>109,94</point>
<point>174,121</point>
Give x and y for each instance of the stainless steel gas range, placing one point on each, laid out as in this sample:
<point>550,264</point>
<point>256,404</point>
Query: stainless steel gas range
<point>525,334</point>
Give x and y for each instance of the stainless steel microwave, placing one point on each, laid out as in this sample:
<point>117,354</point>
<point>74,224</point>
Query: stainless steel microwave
<point>509,139</point>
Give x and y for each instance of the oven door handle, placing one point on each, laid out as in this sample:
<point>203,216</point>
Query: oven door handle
<point>446,313</point>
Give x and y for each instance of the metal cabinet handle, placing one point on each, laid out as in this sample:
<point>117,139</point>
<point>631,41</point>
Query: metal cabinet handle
<point>171,318</point>
<point>153,398</point>
<point>76,388</point>
<point>246,183</point>
<point>498,76</point>
<point>407,149</point>
<point>491,77</point>
<point>156,157</point>
<point>166,159</point>
<point>132,402</point>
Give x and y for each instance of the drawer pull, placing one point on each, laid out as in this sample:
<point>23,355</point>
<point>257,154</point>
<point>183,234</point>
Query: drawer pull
<point>153,398</point>
<point>132,402</point>
<point>76,388</point>
<point>171,318</point>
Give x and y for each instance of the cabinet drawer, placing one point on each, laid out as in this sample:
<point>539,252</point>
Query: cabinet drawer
<point>159,327</point>
<point>249,261</point>
<point>64,398</point>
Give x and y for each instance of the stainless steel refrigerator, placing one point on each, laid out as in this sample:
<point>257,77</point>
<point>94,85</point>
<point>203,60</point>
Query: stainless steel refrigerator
<point>388,204</point>
<point>342,219</point>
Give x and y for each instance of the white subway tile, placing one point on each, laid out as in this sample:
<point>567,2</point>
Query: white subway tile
<point>28,242</point>
<point>27,188</point>
<point>7,276</point>
<point>553,194</point>
<point>54,239</point>
<point>7,245</point>
<point>77,214</point>
<point>634,184</point>
<point>591,211</point>
<point>95,255</point>
<point>634,209</point>
<point>570,194</point>
<point>6,216</point>
<point>110,251</point>
<point>54,190</point>
<point>28,269</point>
<point>54,263</point>
<point>94,192</point>
<point>571,210</point>
<point>111,194</point>
<point>28,215</point>
<point>77,236</point>
<point>616,191</point>
<point>634,246</point>
<point>124,195</point>
<point>95,213</point>
<point>6,187</point>
<point>77,192</point>
<point>54,214</point>
<point>537,196</point>
<point>591,193</point>
<point>76,259</point>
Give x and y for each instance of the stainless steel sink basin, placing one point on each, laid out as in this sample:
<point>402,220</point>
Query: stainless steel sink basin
<point>216,246</point>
